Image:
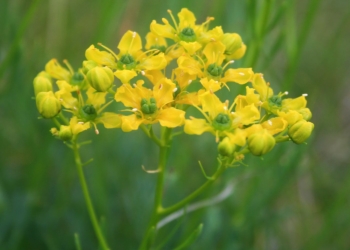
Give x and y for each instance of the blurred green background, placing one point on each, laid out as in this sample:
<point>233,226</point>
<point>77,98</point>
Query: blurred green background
<point>296,197</point>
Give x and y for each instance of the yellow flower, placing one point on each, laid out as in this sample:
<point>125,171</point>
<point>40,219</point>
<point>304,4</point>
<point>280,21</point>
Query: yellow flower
<point>220,120</point>
<point>212,67</point>
<point>149,106</point>
<point>186,32</point>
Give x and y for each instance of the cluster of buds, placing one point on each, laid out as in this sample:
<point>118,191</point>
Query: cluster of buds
<point>201,62</point>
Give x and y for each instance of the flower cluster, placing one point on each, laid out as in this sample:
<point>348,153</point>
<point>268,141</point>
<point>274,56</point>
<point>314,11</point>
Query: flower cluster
<point>194,55</point>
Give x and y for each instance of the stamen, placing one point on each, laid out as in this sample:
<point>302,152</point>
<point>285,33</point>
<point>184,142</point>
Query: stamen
<point>189,82</point>
<point>286,92</point>
<point>68,66</point>
<point>108,49</point>
<point>132,40</point>
<point>228,63</point>
<point>160,86</point>
<point>241,73</point>
<point>304,94</point>
<point>143,72</point>
<point>172,17</point>
<point>134,34</point>
<point>269,122</point>
<point>175,89</point>
<point>134,84</point>
<point>134,109</point>
<point>81,123</point>
<point>97,132</point>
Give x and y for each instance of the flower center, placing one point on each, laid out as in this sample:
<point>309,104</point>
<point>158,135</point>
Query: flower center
<point>88,113</point>
<point>77,78</point>
<point>214,70</point>
<point>188,35</point>
<point>222,122</point>
<point>275,101</point>
<point>126,62</point>
<point>148,107</point>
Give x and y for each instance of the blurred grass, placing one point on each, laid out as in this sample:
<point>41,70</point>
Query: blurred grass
<point>295,198</point>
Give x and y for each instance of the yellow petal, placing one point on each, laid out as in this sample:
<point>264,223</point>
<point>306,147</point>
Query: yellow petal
<point>125,75</point>
<point>275,125</point>
<point>103,58</point>
<point>154,76</point>
<point>152,39</point>
<point>130,122</point>
<point>261,87</point>
<point>187,19</point>
<point>163,92</point>
<point>191,47</point>
<point>247,115</point>
<point>189,65</point>
<point>78,127</point>
<point>253,129</point>
<point>95,98</point>
<point>110,120</point>
<point>157,62</point>
<point>163,30</point>
<point>187,98</point>
<point>212,104</point>
<point>214,52</point>
<point>197,126</point>
<point>240,76</point>
<point>57,71</point>
<point>130,43</point>
<point>290,116</point>
<point>64,85</point>
<point>66,99</point>
<point>294,104</point>
<point>238,137</point>
<point>210,85</point>
<point>171,117</point>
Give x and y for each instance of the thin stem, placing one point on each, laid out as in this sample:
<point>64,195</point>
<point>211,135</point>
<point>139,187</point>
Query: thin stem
<point>193,195</point>
<point>89,205</point>
<point>163,156</point>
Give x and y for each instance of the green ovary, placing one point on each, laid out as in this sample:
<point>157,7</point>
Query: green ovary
<point>148,107</point>
<point>214,70</point>
<point>126,62</point>
<point>188,35</point>
<point>222,122</point>
<point>88,113</point>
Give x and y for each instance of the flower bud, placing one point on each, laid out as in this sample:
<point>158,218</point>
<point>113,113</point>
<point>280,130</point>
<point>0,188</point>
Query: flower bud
<point>261,142</point>
<point>232,41</point>
<point>42,83</point>
<point>48,105</point>
<point>100,78</point>
<point>225,147</point>
<point>300,131</point>
<point>239,53</point>
<point>65,133</point>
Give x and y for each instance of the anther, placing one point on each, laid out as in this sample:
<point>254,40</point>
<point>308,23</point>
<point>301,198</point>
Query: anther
<point>160,86</point>
<point>242,74</point>
<point>134,85</point>
<point>269,122</point>
<point>134,109</point>
<point>189,81</point>
<point>232,61</point>
<point>97,132</point>
<point>286,93</point>
<point>81,123</point>
<point>134,34</point>
<point>143,72</point>
<point>174,90</point>
<point>304,94</point>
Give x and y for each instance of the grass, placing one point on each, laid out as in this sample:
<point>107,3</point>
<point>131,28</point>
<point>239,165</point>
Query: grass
<point>294,198</point>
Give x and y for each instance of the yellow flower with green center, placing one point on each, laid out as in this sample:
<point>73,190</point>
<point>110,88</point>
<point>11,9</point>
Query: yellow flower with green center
<point>55,70</point>
<point>220,120</point>
<point>185,32</point>
<point>211,68</point>
<point>149,106</point>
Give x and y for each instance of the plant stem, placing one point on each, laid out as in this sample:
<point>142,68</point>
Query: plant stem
<point>163,156</point>
<point>185,201</point>
<point>89,205</point>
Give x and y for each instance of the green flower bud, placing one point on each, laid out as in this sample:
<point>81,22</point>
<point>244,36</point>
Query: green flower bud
<point>306,113</point>
<point>42,83</point>
<point>48,105</point>
<point>300,131</point>
<point>232,41</point>
<point>88,65</point>
<point>225,147</point>
<point>77,79</point>
<point>261,142</point>
<point>65,133</point>
<point>100,78</point>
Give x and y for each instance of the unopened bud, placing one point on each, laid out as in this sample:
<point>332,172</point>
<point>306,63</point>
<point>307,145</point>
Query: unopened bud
<point>100,78</point>
<point>261,142</point>
<point>300,131</point>
<point>48,105</point>
<point>232,41</point>
<point>225,147</point>
<point>42,83</point>
<point>65,133</point>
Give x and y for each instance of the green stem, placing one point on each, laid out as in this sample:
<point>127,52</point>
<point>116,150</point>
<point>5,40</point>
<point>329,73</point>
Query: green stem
<point>185,201</point>
<point>163,156</point>
<point>89,205</point>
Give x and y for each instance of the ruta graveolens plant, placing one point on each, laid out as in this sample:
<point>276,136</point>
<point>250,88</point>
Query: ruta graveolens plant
<point>192,53</point>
